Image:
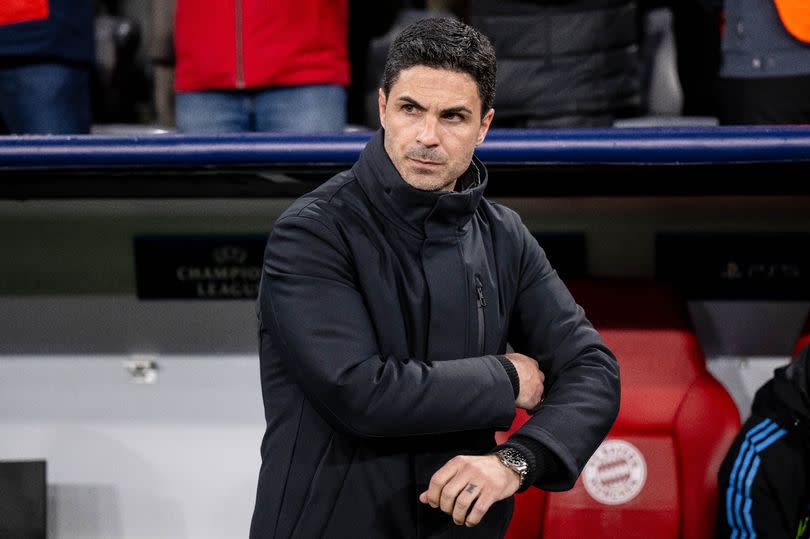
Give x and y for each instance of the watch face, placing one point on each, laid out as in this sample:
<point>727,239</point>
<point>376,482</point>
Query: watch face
<point>513,459</point>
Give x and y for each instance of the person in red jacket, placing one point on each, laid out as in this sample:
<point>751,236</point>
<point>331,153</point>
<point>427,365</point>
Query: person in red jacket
<point>253,65</point>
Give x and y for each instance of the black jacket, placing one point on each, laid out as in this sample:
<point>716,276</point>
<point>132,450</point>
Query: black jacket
<point>562,63</point>
<point>382,311</point>
<point>764,488</point>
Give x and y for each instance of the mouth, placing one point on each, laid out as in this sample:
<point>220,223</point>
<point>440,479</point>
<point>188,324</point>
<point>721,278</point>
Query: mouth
<point>425,163</point>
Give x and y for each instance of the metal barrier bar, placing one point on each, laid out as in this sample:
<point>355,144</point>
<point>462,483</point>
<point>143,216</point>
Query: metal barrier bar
<point>626,146</point>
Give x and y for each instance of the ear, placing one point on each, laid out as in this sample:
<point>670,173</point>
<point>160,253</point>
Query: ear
<point>482,131</point>
<point>381,105</point>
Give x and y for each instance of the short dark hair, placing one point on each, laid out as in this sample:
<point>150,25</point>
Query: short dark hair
<point>444,43</point>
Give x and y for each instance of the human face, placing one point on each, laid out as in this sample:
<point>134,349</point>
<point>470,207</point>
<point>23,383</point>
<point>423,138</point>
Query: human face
<point>432,121</point>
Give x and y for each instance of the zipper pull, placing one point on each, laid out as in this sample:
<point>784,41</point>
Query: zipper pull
<point>480,290</point>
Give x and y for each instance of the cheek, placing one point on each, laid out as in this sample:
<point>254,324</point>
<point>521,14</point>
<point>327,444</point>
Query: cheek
<point>391,146</point>
<point>462,142</point>
<point>462,152</point>
<point>398,136</point>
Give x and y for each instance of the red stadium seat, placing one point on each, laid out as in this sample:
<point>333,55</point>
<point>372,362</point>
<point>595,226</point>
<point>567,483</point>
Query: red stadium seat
<point>655,474</point>
<point>804,338</point>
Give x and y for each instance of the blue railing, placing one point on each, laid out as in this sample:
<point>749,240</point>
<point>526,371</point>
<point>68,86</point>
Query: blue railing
<point>627,146</point>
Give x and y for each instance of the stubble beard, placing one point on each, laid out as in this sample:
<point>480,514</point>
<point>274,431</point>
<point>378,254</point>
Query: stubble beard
<point>428,183</point>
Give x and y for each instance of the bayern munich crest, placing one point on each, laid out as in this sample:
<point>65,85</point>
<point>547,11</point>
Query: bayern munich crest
<point>616,473</point>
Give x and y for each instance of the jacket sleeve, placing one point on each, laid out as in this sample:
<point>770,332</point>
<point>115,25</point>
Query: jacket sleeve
<point>760,485</point>
<point>320,327</point>
<point>582,376</point>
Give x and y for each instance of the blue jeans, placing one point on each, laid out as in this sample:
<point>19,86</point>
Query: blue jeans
<point>302,109</point>
<point>44,99</point>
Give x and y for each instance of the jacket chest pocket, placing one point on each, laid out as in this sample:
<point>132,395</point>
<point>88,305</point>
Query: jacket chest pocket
<point>487,320</point>
<point>480,317</point>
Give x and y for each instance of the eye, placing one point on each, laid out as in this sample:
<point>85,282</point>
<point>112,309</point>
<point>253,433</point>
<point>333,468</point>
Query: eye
<point>407,107</point>
<point>454,116</point>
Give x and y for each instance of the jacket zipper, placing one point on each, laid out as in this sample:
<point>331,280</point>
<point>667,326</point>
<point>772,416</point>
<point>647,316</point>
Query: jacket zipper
<point>482,302</point>
<point>240,69</point>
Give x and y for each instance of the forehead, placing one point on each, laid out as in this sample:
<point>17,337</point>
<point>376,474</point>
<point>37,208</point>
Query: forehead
<point>431,86</point>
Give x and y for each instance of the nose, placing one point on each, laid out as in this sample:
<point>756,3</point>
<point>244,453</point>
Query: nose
<point>427,134</point>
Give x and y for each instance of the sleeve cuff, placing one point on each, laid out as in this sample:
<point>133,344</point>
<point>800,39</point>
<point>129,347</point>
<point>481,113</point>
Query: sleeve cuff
<point>511,371</point>
<point>541,461</point>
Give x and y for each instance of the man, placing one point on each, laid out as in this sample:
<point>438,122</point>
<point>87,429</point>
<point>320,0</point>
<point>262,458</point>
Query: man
<point>388,297</point>
<point>764,481</point>
<point>765,69</point>
<point>563,64</point>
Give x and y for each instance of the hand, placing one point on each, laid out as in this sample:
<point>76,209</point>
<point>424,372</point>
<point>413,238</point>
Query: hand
<point>467,486</point>
<point>531,381</point>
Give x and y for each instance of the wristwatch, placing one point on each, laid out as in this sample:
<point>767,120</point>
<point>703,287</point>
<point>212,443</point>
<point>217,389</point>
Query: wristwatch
<point>513,459</point>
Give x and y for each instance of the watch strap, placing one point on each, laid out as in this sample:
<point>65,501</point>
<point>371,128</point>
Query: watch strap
<point>515,461</point>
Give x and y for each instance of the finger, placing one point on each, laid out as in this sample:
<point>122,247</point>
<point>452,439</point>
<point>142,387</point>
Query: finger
<point>437,482</point>
<point>479,509</point>
<point>450,492</point>
<point>464,501</point>
<point>423,497</point>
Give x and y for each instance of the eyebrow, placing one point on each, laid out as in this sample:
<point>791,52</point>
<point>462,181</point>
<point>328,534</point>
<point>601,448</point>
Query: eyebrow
<point>419,106</point>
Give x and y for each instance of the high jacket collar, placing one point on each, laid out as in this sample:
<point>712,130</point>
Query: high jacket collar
<point>421,213</point>
<point>786,396</point>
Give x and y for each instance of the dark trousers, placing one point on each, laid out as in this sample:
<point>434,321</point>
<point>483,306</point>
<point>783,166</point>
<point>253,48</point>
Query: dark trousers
<point>44,98</point>
<point>772,100</point>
